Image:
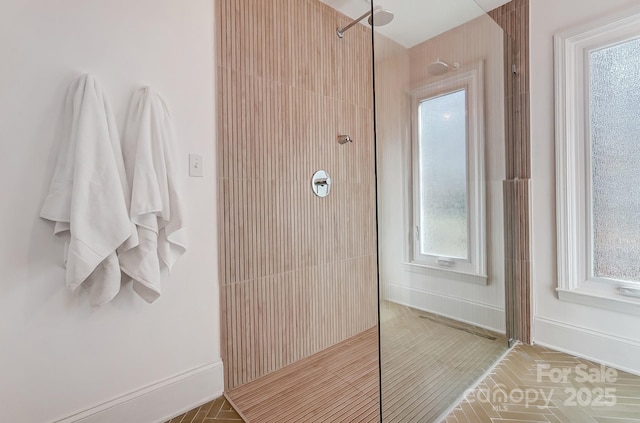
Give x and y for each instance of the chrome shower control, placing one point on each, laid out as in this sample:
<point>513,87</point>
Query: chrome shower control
<point>321,183</point>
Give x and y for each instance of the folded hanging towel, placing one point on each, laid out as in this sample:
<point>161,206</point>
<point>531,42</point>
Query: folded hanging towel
<point>87,198</point>
<point>156,209</point>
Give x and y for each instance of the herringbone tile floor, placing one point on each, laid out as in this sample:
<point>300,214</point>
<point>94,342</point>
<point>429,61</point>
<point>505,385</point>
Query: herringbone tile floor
<point>533,383</point>
<point>216,411</point>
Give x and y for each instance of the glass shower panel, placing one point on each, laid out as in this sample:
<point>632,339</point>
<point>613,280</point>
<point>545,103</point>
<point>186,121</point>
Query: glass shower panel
<point>440,148</point>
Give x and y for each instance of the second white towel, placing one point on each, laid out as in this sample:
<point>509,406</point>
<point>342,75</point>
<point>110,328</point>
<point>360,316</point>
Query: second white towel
<point>155,207</point>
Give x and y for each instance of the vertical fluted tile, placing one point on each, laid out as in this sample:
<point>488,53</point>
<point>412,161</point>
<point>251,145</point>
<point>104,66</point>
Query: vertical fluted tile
<point>514,19</point>
<point>296,271</point>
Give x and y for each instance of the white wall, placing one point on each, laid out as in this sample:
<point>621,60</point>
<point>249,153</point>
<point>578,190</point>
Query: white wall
<point>397,72</point>
<point>605,336</point>
<point>57,356</point>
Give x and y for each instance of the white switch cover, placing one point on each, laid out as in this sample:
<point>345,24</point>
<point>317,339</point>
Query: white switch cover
<point>195,165</point>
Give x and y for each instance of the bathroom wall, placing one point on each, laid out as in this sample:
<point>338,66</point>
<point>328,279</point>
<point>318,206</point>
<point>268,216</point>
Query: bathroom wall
<point>298,272</point>
<point>398,71</point>
<point>603,335</point>
<point>127,361</point>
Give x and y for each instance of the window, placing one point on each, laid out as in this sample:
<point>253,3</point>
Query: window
<point>598,151</point>
<point>442,167</point>
<point>614,134</point>
<point>448,177</point>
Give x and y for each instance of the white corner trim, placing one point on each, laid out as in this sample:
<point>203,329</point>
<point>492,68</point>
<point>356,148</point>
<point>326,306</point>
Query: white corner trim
<point>611,350</point>
<point>160,401</point>
<point>479,314</point>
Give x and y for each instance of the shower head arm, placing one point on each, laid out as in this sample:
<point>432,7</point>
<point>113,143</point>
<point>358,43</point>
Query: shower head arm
<point>341,31</point>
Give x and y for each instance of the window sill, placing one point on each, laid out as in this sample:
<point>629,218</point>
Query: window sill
<point>601,295</point>
<point>446,273</point>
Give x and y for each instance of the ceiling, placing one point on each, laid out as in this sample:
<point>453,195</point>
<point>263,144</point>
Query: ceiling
<point>418,20</point>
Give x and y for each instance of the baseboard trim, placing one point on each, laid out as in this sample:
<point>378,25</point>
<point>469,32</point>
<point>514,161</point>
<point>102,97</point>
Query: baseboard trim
<point>475,313</point>
<point>610,350</point>
<point>158,402</point>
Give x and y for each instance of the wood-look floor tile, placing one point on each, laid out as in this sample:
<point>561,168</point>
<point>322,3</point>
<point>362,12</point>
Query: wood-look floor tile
<point>518,371</point>
<point>314,393</point>
<point>216,411</point>
<point>424,370</point>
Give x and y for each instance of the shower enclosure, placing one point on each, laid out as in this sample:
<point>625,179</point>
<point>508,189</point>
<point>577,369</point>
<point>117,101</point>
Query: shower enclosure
<point>362,259</point>
<point>440,145</point>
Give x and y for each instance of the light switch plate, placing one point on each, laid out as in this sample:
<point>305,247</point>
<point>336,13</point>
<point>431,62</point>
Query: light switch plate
<point>195,165</point>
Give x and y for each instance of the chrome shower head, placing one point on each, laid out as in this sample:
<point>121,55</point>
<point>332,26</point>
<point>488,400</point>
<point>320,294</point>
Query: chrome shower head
<point>440,68</point>
<point>379,17</point>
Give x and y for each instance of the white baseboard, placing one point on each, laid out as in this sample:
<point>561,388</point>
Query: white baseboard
<point>483,315</point>
<point>160,401</point>
<point>614,351</point>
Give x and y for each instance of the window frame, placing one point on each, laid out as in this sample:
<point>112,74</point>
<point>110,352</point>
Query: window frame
<point>576,282</point>
<point>473,269</point>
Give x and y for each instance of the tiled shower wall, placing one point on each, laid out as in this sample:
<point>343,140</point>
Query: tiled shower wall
<point>513,17</point>
<point>298,272</point>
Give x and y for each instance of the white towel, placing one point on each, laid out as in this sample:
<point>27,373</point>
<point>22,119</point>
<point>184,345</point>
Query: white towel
<point>87,195</point>
<point>156,209</point>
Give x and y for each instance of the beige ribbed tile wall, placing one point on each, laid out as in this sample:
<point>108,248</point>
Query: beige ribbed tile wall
<point>298,272</point>
<point>513,17</point>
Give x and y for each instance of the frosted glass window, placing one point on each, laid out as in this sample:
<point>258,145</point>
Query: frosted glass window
<point>615,161</point>
<point>443,216</point>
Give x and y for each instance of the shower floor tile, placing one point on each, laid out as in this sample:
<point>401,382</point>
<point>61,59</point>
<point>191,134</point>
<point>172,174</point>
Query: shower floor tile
<point>429,362</point>
<point>339,384</point>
